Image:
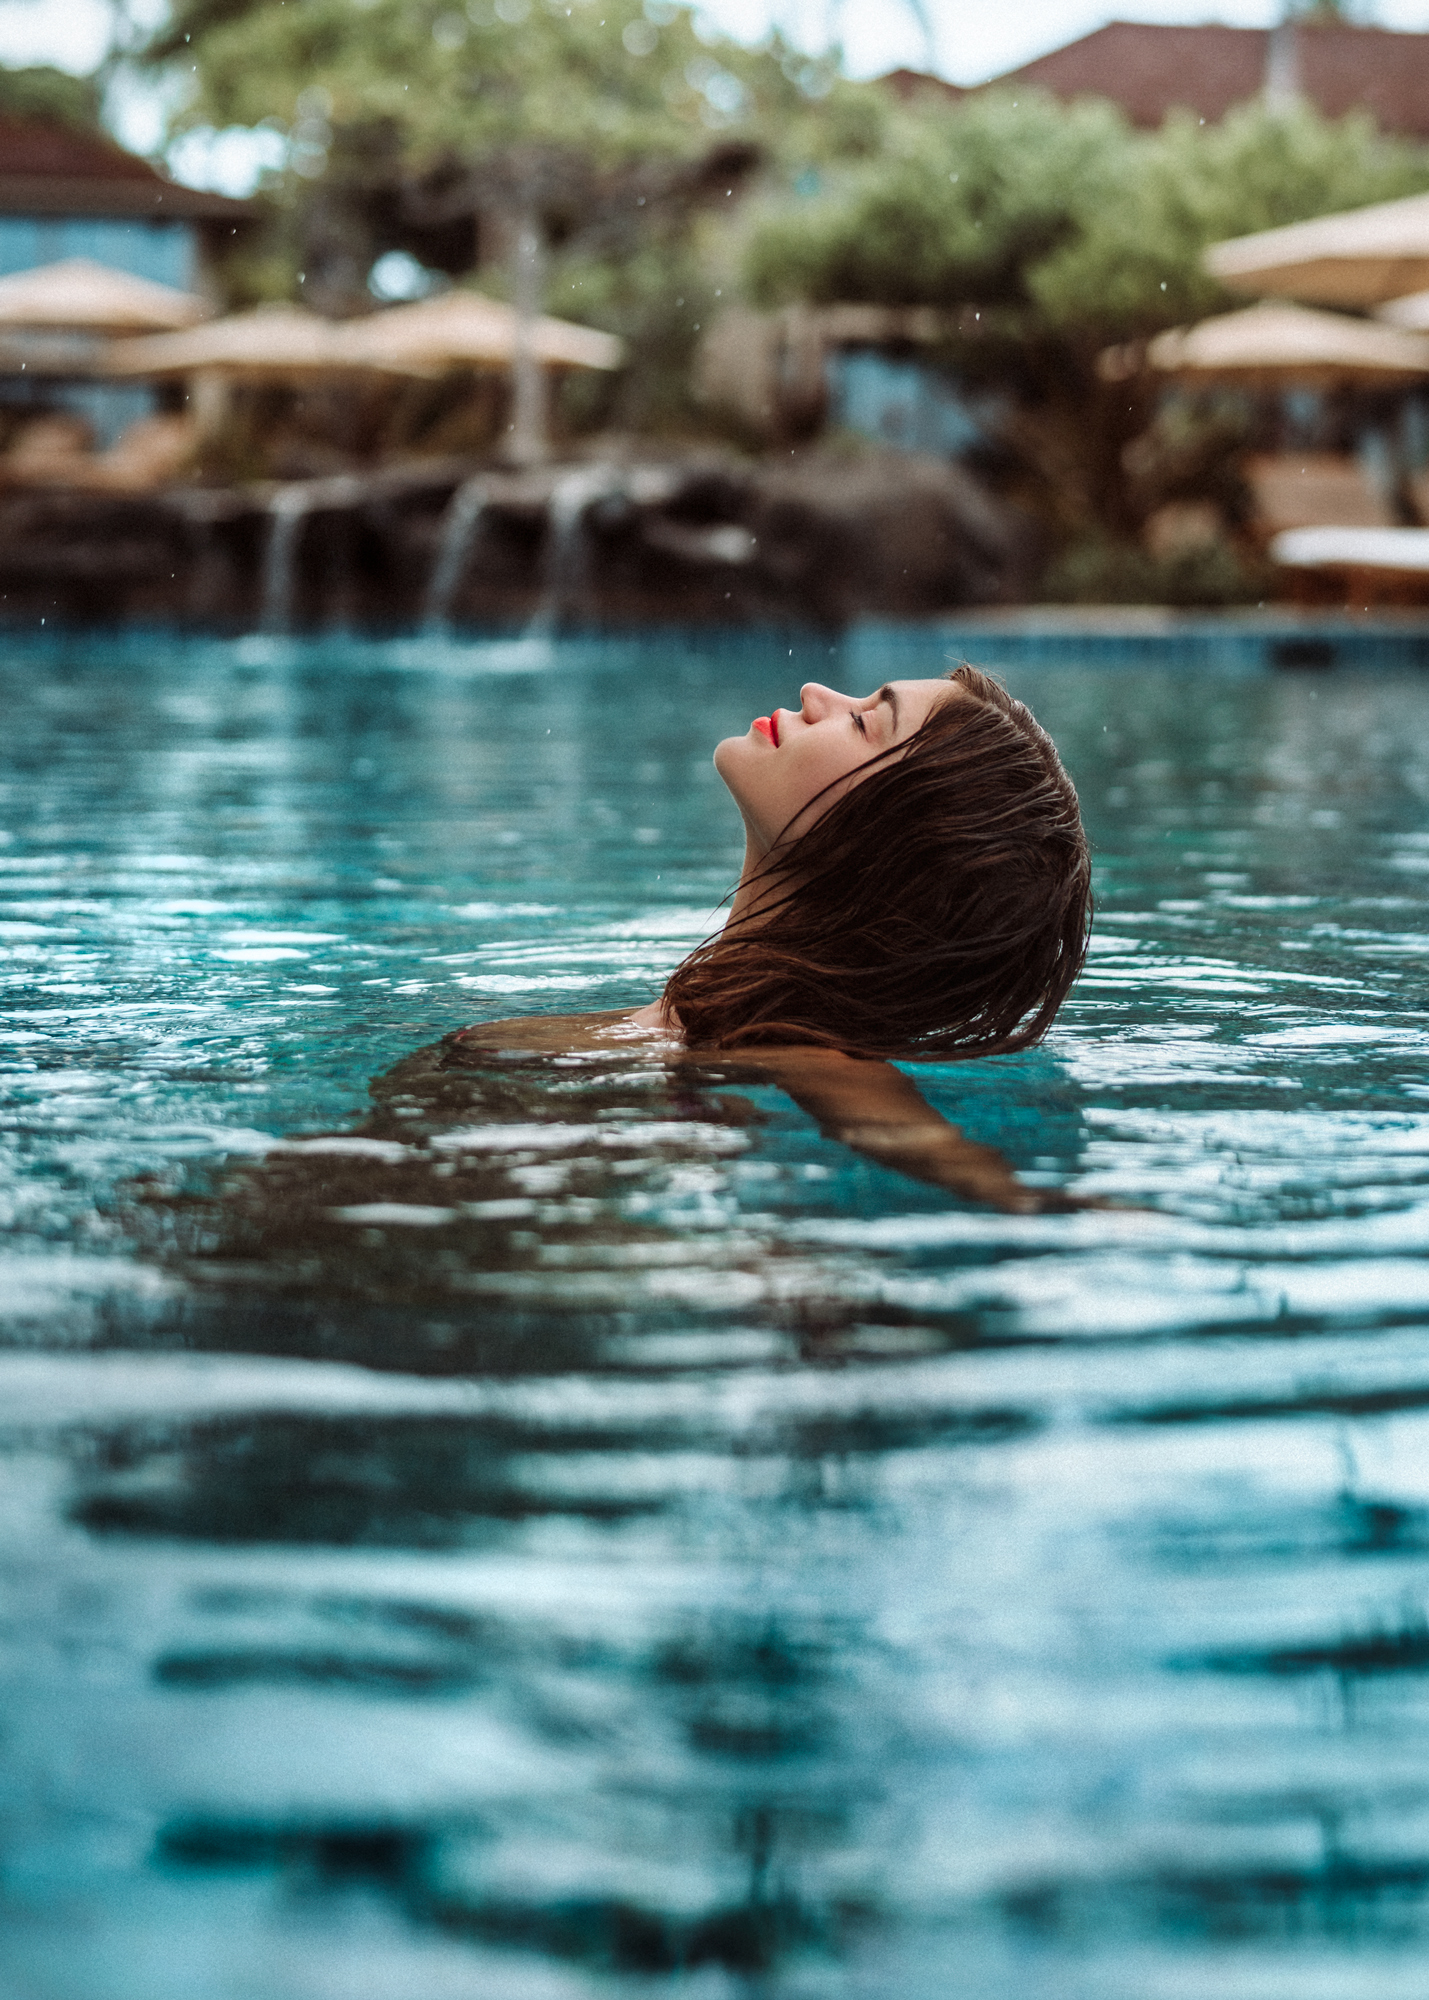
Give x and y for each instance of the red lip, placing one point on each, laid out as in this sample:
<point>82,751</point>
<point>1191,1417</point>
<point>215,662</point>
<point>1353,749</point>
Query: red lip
<point>768,725</point>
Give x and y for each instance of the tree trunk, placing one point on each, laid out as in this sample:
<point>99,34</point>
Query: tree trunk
<point>526,437</point>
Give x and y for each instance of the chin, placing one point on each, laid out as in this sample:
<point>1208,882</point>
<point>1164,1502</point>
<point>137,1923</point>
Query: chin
<point>732,760</point>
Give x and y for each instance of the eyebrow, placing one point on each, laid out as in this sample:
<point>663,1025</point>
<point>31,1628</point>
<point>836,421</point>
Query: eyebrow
<point>885,693</point>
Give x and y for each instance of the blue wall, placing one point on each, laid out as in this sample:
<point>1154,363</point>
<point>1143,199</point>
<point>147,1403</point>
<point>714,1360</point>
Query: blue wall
<point>107,407</point>
<point>165,252</point>
<point>902,402</point>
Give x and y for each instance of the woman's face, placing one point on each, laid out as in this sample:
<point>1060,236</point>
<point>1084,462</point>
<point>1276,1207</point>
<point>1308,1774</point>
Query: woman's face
<point>788,758</point>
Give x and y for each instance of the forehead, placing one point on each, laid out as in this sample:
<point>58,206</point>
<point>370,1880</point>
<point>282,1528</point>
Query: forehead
<point>924,695</point>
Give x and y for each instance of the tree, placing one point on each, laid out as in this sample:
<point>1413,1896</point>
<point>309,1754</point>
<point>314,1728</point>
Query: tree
<point>1056,231</point>
<point>511,126</point>
<point>51,96</point>
<point>1134,265</point>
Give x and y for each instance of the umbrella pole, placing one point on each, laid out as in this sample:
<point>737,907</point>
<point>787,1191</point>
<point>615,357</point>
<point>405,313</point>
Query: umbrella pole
<point>526,441</point>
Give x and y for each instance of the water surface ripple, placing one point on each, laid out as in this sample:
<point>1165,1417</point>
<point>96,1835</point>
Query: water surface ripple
<point>568,1528</point>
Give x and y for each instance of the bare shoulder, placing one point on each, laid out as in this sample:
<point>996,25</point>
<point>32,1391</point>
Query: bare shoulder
<point>565,1034</point>
<point>648,1032</point>
<point>621,1032</point>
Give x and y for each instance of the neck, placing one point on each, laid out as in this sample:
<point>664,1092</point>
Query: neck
<point>753,887</point>
<point>747,893</point>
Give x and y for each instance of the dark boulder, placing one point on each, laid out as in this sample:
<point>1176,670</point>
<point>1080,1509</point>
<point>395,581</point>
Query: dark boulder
<point>821,538</point>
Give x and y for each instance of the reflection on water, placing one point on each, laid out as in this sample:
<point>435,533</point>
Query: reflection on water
<point>482,1525</point>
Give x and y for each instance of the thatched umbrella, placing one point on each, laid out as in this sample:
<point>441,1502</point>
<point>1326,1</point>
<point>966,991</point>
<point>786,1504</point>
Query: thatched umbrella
<point>1411,313</point>
<point>1359,258</point>
<point>465,330</point>
<point>272,343</point>
<point>1272,346</point>
<point>79,296</point>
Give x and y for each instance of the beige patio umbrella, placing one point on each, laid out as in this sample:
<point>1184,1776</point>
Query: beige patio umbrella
<point>1411,313</point>
<point>1359,258</point>
<point>1271,346</point>
<point>80,296</point>
<point>465,329</point>
<point>275,343</point>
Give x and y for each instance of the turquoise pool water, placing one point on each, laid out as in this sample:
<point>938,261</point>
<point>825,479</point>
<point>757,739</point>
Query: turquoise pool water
<point>567,1530</point>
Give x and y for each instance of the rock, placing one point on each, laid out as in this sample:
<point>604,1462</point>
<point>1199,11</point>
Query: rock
<point>822,538</point>
<point>83,558</point>
<point>887,533</point>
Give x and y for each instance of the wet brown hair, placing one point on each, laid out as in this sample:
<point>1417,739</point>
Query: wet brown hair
<point>939,908</point>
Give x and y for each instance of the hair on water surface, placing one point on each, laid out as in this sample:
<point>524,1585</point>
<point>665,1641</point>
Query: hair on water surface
<point>939,907</point>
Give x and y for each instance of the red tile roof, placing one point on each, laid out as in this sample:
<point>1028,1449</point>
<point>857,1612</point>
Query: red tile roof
<point>1348,69</point>
<point>915,83</point>
<point>54,169</point>
<point>1150,70</point>
<point>34,146</point>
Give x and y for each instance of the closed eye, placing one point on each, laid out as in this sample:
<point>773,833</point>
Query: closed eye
<point>885,694</point>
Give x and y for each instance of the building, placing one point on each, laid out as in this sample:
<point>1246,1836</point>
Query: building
<point>1150,69</point>
<point>68,192</point>
<point>65,192</point>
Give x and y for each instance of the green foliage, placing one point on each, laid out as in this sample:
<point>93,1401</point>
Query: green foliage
<point>1096,568</point>
<point>443,79</point>
<point>1057,230</point>
<point>657,299</point>
<point>50,95</point>
<point>959,207</point>
<point>616,80</point>
<point>1087,229</point>
<point>1133,265</point>
<point>611,121</point>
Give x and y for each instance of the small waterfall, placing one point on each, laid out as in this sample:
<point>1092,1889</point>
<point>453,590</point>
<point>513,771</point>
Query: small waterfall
<point>460,527</point>
<point>571,498</point>
<point>288,509</point>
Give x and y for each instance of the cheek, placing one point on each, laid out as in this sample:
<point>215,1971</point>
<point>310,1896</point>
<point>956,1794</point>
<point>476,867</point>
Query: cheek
<point>772,789</point>
<point>823,764</point>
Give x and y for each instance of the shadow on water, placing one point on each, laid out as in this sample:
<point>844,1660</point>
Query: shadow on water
<point>433,1876</point>
<point>523,1211</point>
<point>754,1704</point>
<point>466,1179</point>
<point>749,1702</point>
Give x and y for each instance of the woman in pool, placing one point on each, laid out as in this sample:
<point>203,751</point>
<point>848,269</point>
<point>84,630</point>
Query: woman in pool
<point>916,885</point>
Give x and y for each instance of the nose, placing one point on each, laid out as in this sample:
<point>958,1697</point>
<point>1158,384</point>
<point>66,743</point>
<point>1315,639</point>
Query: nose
<point>817,701</point>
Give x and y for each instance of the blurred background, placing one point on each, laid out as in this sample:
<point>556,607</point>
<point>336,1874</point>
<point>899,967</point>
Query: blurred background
<point>246,246</point>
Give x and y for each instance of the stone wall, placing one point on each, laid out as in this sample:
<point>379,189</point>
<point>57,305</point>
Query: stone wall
<point>814,539</point>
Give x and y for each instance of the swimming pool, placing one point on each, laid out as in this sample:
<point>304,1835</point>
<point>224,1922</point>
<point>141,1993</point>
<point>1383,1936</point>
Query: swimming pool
<point>565,1531</point>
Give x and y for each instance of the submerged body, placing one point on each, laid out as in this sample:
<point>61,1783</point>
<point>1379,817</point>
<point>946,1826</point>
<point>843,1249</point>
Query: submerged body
<point>868,1105</point>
